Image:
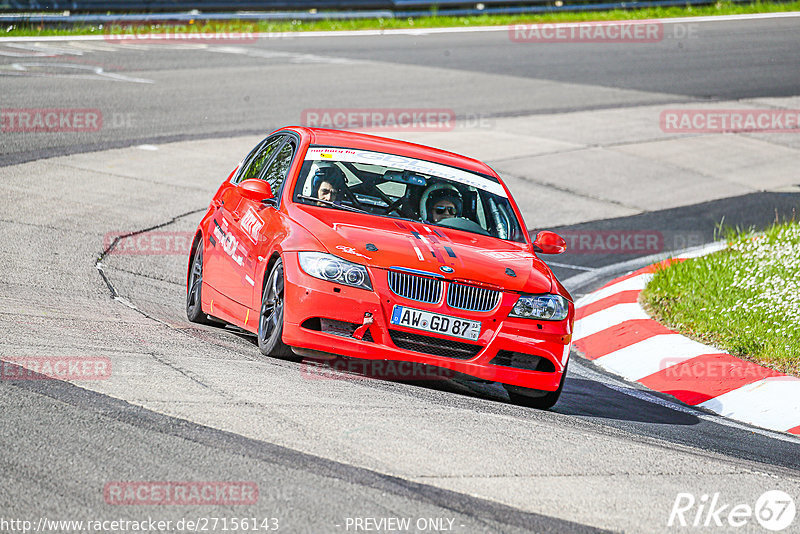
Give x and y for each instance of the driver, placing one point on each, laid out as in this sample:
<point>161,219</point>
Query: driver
<point>328,183</point>
<point>442,203</point>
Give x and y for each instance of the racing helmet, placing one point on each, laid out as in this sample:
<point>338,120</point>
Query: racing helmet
<point>328,173</point>
<point>435,193</point>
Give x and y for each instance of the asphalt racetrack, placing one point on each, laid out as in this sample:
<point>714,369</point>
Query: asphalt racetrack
<point>574,129</point>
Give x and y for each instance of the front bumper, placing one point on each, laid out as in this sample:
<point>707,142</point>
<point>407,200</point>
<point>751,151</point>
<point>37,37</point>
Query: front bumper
<point>308,299</point>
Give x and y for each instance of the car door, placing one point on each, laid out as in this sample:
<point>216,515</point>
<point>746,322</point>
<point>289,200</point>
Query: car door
<point>260,223</point>
<point>230,258</point>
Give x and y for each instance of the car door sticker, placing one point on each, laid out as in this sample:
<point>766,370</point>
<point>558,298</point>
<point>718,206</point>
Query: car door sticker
<point>229,244</point>
<point>252,224</point>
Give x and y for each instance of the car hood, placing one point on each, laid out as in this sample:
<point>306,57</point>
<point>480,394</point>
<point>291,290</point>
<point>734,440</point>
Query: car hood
<point>423,247</point>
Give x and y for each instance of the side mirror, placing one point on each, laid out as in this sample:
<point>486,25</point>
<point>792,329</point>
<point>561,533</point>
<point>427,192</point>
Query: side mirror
<point>548,242</point>
<point>256,190</point>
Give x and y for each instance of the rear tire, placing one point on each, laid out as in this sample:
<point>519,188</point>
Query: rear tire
<point>194,286</point>
<point>534,398</point>
<point>270,319</point>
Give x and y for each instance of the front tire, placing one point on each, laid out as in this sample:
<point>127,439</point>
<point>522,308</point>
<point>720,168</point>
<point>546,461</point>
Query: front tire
<point>270,319</point>
<point>194,286</point>
<point>534,398</point>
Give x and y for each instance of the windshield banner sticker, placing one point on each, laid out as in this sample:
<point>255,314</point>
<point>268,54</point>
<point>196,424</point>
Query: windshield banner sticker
<point>408,164</point>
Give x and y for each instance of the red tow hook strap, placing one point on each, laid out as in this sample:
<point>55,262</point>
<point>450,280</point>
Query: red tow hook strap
<point>361,330</point>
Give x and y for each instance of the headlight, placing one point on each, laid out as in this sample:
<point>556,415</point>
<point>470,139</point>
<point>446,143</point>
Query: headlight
<point>333,269</point>
<point>543,307</point>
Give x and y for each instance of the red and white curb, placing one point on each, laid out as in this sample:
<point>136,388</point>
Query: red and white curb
<point>615,332</point>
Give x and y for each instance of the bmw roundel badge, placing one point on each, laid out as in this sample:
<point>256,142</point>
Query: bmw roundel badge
<point>446,269</point>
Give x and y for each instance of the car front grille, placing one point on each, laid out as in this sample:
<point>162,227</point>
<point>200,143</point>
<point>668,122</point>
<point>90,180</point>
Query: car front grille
<point>429,290</point>
<point>434,345</point>
<point>413,287</point>
<point>472,298</point>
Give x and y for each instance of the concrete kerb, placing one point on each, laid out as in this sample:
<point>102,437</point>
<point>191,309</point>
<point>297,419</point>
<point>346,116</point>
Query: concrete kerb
<point>617,335</point>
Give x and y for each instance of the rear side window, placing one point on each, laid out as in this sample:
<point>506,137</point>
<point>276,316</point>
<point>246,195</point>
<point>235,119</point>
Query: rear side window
<point>260,158</point>
<point>279,168</point>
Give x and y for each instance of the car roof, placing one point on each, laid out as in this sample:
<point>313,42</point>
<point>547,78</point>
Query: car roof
<point>347,139</point>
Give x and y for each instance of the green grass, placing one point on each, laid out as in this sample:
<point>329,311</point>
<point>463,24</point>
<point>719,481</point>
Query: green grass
<point>720,8</point>
<point>745,299</point>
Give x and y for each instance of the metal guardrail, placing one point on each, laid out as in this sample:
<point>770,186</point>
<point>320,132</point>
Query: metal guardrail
<point>287,6</point>
<point>97,11</point>
<point>122,6</point>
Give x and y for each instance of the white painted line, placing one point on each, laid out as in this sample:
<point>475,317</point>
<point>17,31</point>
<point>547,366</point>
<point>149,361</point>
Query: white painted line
<point>652,355</point>
<point>728,18</point>
<point>596,322</point>
<point>703,251</point>
<point>422,31</point>
<point>22,69</point>
<point>51,38</point>
<point>772,403</point>
<point>634,283</point>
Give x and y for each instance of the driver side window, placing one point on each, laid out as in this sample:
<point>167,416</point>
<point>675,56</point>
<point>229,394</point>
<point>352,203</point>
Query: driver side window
<point>262,156</point>
<point>279,167</point>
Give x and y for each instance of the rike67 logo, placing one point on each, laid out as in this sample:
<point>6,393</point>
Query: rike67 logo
<point>774,510</point>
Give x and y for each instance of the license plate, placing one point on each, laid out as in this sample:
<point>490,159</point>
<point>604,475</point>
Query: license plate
<point>436,322</point>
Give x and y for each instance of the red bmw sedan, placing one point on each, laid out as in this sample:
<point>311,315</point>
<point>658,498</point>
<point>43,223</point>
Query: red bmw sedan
<point>377,249</point>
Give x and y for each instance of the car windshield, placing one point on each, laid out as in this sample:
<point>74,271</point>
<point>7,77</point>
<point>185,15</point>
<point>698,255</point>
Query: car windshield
<point>395,186</point>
